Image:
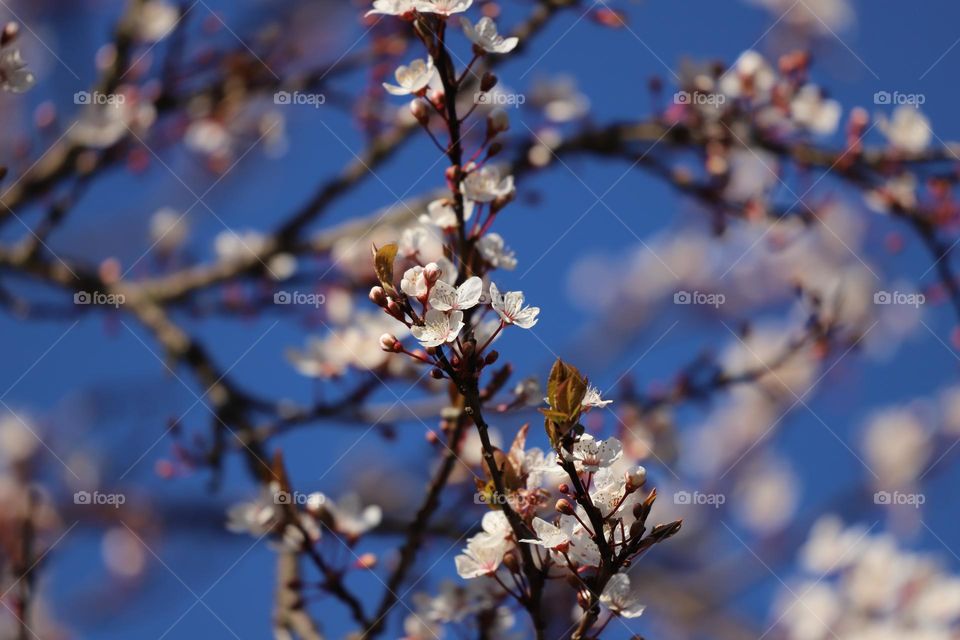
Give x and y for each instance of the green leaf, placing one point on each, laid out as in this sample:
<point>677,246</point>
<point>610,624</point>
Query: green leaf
<point>383,259</point>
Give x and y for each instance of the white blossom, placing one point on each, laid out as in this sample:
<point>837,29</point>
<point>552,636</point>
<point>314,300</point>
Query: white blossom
<point>751,76</point>
<point>812,111</point>
<point>412,78</point>
<point>591,454</point>
<point>494,250</point>
<point>438,328</point>
<point>414,282</point>
<point>909,130</point>
<point>391,7</point>
<point>442,7</point>
<point>509,307</point>
<point>548,536</point>
<point>441,213</point>
<point>168,229</point>
<point>350,517</point>
<point>620,598</point>
<point>592,398</point>
<point>484,35</point>
<point>482,557</point>
<point>446,297</point>
<point>559,99</point>
<point>486,184</point>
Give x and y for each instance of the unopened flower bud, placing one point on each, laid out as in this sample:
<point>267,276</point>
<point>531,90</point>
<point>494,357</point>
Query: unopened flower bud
<point>389,342</point>
<point>511,563</point>
<point>366,561</point>
<point>438,99</point>
<point>394,309</point>
<point>564,507</point>
<point>563,487</point>
<point>635,479</point>
<point>431,272</point>
<point>637,529</point>
<point>432,437</point>
<point>491,357</point>
<point>494,149</point>
<point>378,296</point>
<point>420,111</point>
<point>9,34</point>
<point>489,81</point>
<point>497,122</point>
<point>452,173</point>
<point>436,374</point>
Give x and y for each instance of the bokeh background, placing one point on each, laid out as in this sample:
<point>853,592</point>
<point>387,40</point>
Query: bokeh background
<point>94,385</point>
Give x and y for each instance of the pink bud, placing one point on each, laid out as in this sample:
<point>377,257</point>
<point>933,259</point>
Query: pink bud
<point>419,110</point>
<point>378,296</point>
<point>388,342</point>
<point>431,272</point>
<point>497,122</point>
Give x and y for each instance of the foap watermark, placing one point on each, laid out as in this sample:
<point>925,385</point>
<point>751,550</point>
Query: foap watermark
<point>896,97</point>
<point>899,297</point>
<point>495,498</point>
<point>96,97</point>
<point>299,297</point>
<point>700,298</point>
<point>699,98</point>
<point>697,498</point>
<point>899,498</point>
<point>499,99</point>
<point>99,499</point>
<point>99,298</point>
<point>315,100</point>
<point>288,497</point>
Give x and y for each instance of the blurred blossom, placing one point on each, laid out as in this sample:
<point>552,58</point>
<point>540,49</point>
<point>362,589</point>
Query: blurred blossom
<point>168,229</point>
<point>559,98</point>
<point>766,495</point>
<point>908,130</point>
<point>896,446</point>
<point>154,20</point>
<point>822,17</point>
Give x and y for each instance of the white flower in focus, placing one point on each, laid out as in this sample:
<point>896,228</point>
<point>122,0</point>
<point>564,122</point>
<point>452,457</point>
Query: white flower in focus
<point>441,213</point>
<point>812,111</point>
<point>438,328</point>
<point>154,20</point>
<point>412,78</point>
<point>442,7</point>
<point>591,454</point>
<point>620,598</point>
<point>751,76</point>
<point>484,35</point>
<point>548,536</point>
<point>14,75</point>
<point>391,7</point>
<point>486,184</point>
<point>446,297</point>
<point>495,251</point>
<point>168,229</point>
<point>908,130</point>
<point>482,557</point>
<point>592,398</point>
<point>414,282</point>
<point>509,307</point>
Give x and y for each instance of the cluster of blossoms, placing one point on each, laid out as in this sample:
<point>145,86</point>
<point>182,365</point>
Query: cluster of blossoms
<point>859,584</point>
<point>14,74</point>
<point>575,512</point>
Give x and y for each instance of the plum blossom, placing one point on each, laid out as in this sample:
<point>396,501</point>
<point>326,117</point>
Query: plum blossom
<point>494,250</point>
<point>548,536</point>
<point>509,306</point>
<point>485,551</point>
<point>812,111</point>
<point>14,75</point>
<point>908,130</point>
<point>592,398</point>
<point>560,99</point>
<point>591,454</point>
<point>391,7</point>
<point>441,213</point>
<point>486,184</point>
<point>414,282</point>
<point>438,328</point>
<point>620,598</point>
<point>442,7</point>
<point>445,297</point>
<point>350,517</point>
<point>484,35</point>
<point>412,78</point>
<point>750,76</point>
